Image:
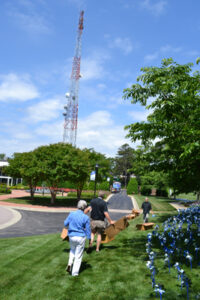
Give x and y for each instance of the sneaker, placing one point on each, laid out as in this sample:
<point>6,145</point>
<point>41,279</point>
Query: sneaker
<point>68,269</point>
<point>89,250</point>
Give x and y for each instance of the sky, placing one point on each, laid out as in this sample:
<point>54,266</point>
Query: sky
<point>120,37</point>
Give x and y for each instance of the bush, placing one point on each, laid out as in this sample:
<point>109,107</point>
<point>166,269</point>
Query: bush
<point>162,192</point>
<point>4,189</point>
<point>132,186</point>
<point>146,190</point>
<point>91,186</point>
<point>104,186</point>
<point>19,187</point>
<point>67,184</point>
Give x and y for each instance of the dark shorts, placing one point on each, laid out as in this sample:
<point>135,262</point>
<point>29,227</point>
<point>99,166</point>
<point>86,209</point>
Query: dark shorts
<point>98,226</point>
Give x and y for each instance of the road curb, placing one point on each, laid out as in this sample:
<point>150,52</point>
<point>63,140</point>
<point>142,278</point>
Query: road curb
<point>16,218</point>
<point>135,204</point>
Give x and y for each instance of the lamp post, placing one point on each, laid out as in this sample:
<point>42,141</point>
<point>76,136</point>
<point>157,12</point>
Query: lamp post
<point>96,175</point>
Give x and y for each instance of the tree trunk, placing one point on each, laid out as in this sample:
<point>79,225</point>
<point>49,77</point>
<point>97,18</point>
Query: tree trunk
<point>198,196</point>
<point>79,191</point>
<point>53,196</point>
<point>32,192</point>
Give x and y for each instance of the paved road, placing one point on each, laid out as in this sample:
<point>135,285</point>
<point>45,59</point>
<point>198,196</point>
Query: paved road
<point>36,223</point>
<point>120,201</point>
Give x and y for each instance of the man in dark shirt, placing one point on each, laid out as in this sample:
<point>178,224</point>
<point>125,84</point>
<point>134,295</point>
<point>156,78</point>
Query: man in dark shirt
<point>146,206</point>
<point>99,211</point>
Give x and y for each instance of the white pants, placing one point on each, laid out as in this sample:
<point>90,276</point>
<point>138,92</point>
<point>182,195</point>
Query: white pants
<point>77,244</point>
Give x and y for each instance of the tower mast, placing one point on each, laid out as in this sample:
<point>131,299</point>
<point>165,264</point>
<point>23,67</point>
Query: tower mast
<point>71,108</point>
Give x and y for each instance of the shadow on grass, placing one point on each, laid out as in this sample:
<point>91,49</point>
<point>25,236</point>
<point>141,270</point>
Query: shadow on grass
<point>84,266</point>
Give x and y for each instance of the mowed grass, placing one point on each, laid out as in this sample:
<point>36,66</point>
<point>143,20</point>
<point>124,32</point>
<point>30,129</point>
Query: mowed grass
<point>189,196</point>
<point>66,201</point>
<point>34,268</point>
<point>45,201</point>
<point>157,203</point>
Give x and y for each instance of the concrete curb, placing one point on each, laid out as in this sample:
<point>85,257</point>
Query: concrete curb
<point>108,198</point>
<point>42,209</point>
<point>178,206</point>
<point>16,217</point>
<point>135,204</point>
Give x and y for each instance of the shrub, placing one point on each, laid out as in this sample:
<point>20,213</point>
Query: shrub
<point>162,192</point>
<point>132,186</point>
<point>146,190</point>
<point>4,189</point>
<point>91,186</point>
<point>105,186</point>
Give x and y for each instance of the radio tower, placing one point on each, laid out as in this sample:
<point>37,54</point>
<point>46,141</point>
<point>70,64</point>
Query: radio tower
<point>71,108</point>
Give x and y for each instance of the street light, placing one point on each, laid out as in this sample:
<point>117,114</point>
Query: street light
<point>96,175</point>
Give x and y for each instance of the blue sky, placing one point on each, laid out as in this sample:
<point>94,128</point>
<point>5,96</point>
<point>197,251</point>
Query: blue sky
<point>119,37</point>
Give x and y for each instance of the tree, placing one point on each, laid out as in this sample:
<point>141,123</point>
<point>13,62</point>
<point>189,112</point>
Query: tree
<point>132,186</point>
<point>63,162</point>
<point>80,169</point>
<point>124,161</point>
<point>54,165</point>
<point>105,164</point>
<point>172,129</point>
<point>2,156</point>
<point>25,165</point>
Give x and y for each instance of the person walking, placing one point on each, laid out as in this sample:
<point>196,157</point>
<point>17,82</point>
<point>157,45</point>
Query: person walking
<point>99,211</point>
<point>146,206</point>
<point>78,225</point>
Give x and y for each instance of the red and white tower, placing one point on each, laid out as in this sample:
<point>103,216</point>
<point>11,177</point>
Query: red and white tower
<point>71,108</point>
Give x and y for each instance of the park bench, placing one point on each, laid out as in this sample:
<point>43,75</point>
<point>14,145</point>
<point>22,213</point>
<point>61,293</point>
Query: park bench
<point>145,226</point>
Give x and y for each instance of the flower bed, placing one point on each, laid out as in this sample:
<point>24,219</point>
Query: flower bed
<point>178,242</point>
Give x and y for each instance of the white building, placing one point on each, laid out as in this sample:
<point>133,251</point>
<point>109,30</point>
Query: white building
<point>7,179</point>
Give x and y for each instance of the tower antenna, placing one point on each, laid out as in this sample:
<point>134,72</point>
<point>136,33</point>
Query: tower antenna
<point>71,108</point>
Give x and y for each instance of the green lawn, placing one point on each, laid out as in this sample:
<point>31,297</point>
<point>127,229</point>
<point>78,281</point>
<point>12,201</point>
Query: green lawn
<point>69,201</point>
<point>45,200</point>
<point>157,203</point>
<point>189,196</point>
<point>34,268</point>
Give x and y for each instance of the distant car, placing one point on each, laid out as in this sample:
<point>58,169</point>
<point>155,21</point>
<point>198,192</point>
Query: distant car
<point>116,187</point>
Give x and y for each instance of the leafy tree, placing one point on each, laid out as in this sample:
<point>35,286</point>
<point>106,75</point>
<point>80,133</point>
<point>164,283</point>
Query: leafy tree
<point>2,156</point>
<point>80,169</point>
<point>25,165</point>
<point>105,164</point>
<point>62,162</point>
<point>172,129</point>
<point>124,161</point>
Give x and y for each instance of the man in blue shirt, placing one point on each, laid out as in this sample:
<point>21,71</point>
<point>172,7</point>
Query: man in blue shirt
<point>78,230</point>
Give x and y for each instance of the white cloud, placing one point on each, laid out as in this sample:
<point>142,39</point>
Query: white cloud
<point>14,87</point>
<point>155,7</point>
<point>98,131</point>
<point>28,18</point>
<point>45,110</point>
<point>92,67</point>
<point>150,57</point>
<point>169,48</point>
<point>138,116</point>
<point>123,44</point>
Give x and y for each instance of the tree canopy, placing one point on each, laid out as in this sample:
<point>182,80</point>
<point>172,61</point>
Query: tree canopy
<point>172,130</point>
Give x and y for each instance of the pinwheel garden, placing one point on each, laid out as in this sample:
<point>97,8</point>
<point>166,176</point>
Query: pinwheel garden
<point>177,242</point>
